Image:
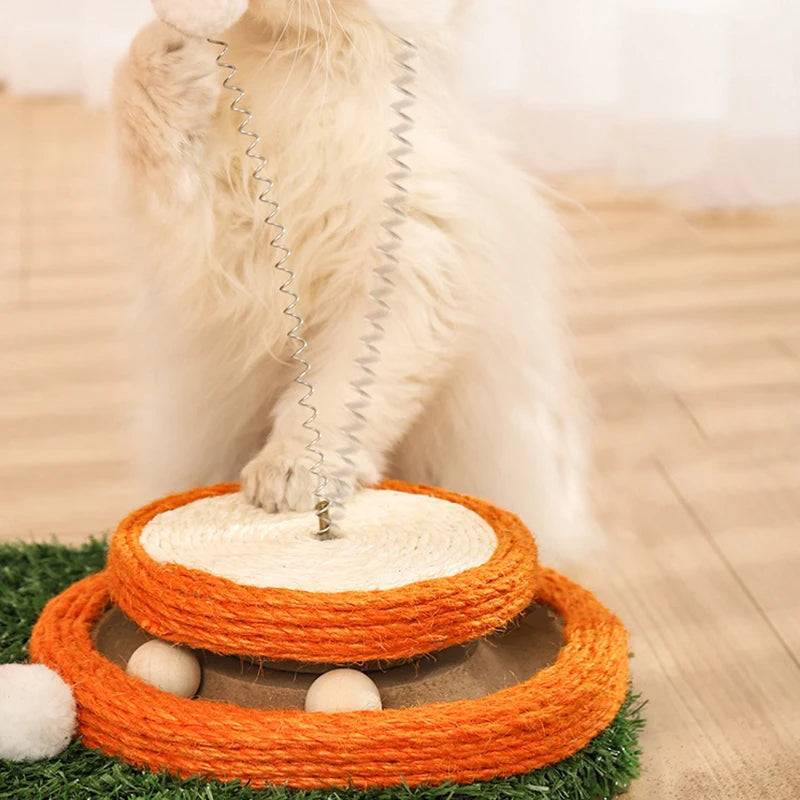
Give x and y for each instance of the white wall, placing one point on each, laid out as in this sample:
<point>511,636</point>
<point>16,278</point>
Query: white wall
<point>698,95</point>
<point>60,47</point>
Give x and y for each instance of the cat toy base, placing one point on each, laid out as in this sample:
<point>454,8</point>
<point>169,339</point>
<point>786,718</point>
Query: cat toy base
<point>534,722</point>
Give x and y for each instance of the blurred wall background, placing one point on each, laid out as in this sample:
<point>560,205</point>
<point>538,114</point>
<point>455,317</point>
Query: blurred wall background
<point>66,47</point>
<point>698,96</point>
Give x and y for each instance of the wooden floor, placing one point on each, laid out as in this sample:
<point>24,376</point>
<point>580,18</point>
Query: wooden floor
<point>687,331</point>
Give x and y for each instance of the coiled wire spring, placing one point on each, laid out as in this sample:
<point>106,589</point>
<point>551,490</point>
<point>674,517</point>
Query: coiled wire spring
<point>383,284</point>
<point>295,335</point>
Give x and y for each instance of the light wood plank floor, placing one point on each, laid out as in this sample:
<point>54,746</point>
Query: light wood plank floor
<point>687,331</point>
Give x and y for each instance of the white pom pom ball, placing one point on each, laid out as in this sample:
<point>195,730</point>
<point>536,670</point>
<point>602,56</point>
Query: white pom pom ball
<point>200,17</point>
<point>343,690</point>
<point>167,667</point>
<point>38,717</point>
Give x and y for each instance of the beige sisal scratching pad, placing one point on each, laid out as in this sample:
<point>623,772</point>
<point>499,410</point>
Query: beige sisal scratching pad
<point>384,540</point>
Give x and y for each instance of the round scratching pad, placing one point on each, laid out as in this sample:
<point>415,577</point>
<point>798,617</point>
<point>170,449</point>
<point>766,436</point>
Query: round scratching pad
<point>385,540</point>
<point>532,724</point>
<point>414,570</point>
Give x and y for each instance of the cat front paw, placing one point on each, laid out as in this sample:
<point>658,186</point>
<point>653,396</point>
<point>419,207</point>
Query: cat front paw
<point>178,74</point>
<point>280,477</point>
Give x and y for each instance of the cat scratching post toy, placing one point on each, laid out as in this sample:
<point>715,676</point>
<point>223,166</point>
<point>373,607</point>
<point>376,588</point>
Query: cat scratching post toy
<point>401,636</point>
<point>488,665</point>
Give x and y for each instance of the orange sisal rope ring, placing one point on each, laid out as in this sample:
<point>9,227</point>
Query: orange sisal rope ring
<point>531,725</point>
<point>204,611</point>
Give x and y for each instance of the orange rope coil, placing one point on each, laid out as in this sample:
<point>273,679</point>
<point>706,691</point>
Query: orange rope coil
<point>536,723</point>
<point>204,611</point>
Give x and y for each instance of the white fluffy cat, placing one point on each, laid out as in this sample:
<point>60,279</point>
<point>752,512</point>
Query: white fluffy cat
<point>474,390</point>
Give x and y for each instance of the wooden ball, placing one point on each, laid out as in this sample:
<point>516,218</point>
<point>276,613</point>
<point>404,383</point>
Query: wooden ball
<point>343,690</point>
<point>166,666</point>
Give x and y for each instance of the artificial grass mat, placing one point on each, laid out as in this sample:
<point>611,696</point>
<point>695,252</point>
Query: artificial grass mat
<point>30,574</point>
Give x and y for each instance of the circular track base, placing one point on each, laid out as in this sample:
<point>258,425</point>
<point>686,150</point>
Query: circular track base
<point>533,724</point>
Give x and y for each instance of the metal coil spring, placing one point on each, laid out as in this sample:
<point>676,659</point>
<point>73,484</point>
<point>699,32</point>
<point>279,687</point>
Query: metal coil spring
<point>379,295</point>
<point>383,284</point>
<point>313,447</point>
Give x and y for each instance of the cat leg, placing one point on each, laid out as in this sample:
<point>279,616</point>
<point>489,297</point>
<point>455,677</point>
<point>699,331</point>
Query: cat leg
<point>198,419</point>
<point>512,435</point>
<point>164,100</point>
<point>280,477</point>
<point>421,332</point>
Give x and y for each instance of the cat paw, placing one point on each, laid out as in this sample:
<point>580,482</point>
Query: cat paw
<point>280,478</point>
<point>177,73</point>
